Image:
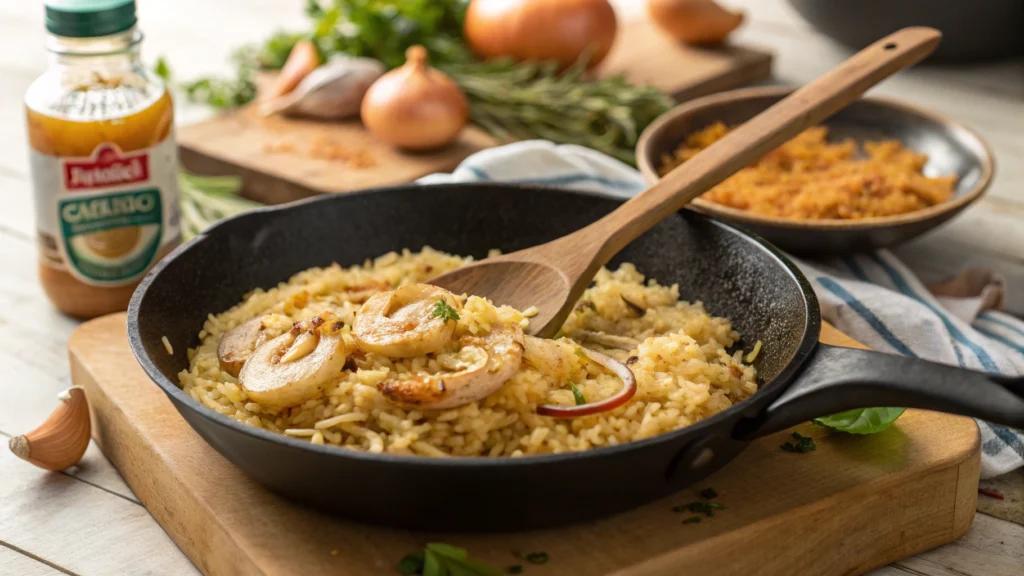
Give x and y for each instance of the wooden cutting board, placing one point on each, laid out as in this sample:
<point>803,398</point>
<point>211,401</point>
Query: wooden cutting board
<point>281,160</point>
<point>854,504</point>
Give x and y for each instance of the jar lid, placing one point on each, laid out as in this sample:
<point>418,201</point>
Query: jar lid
<point>89,18</point>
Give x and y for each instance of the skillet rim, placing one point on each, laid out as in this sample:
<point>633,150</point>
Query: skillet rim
<point>808,342</point>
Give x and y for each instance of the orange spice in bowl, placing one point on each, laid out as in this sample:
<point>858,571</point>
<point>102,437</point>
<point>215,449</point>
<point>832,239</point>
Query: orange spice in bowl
<point>809,178</point>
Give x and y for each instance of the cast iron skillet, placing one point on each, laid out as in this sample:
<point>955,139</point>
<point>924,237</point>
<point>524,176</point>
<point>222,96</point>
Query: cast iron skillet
<point>734,274</point>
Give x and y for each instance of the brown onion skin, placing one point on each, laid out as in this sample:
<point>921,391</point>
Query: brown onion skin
<point>541,30</point>
<point>415,107</point>
<point>694,22</point>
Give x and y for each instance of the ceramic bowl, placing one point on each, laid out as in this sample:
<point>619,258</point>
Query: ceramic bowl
<point>951,148</point>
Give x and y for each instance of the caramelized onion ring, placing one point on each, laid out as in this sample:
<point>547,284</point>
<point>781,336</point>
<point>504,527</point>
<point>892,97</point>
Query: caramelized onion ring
<point>610,403</point>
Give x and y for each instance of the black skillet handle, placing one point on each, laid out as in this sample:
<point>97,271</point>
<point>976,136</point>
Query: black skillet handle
<point>837,379</point>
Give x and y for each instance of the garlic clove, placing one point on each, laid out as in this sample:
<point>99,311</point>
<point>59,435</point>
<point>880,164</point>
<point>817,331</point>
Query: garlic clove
<point>61,440</point>
<point>302,61</point>
<point>333,91</point>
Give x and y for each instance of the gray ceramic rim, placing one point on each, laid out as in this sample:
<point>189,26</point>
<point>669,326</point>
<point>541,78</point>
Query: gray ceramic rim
<point>812,329</point>
<point>969,137</point>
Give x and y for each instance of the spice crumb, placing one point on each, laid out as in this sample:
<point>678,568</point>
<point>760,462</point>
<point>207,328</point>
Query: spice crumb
<point>335,552</point>
<point>708,494</point>
<point>991,493</point>
<point>692,520</point>
<point>515,569</point>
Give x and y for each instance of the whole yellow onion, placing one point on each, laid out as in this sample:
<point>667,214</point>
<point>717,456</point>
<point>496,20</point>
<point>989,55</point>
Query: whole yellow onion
<point>541,30</point>
<point>415,106</point>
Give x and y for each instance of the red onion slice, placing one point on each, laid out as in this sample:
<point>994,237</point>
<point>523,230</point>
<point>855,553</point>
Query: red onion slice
<point>610,403</point>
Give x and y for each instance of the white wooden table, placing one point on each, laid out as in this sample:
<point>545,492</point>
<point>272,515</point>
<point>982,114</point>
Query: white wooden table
<point>88,522</point>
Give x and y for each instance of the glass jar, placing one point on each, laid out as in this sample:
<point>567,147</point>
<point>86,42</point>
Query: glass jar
<point>103,158</point>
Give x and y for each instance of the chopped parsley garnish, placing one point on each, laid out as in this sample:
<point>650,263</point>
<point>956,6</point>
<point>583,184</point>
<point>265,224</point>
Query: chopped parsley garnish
<point>579,352</point>
<point>536,557</point>
<point>444,311</point>
<point>439,559</point>
<point>803,444</point>
<point>580,400</point>
<point>705,508</point>
<point>515,569</point>
<point>708,494</point>
<point>692,520</point>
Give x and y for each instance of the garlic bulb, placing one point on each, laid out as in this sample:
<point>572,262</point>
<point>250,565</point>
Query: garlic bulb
<point>333,91</point>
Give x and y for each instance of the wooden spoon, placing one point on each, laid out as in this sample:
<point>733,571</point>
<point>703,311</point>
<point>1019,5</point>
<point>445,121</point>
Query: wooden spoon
<point>553,275</point>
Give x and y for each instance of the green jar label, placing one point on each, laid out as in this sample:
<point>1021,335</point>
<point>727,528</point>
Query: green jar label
<point>112,237</point>
<point>106,218</point>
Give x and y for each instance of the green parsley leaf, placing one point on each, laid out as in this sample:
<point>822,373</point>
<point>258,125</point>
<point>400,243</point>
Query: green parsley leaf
<point>444,311</point>
<point>861,420</point>
<point>803,444</point>
<point>411,564</point>
<point>580,400</point>
<point>692,520</point>
<point>705,508</point>
<point>708,494</point>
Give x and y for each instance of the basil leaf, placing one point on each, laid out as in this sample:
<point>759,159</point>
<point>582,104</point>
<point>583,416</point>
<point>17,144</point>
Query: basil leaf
<point>432,565</point>
<point>411,564</point>
<point>448,550</point>
<point>470,567</point>
<point>861,420</point>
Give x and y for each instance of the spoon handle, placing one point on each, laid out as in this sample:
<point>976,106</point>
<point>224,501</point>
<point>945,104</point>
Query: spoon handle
<point>750,141</point>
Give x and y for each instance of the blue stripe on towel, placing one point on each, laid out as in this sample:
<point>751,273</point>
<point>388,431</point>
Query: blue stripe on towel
<point>997,320</point>
<point>902,286</point>
<point>480,174</point>
<point>1009,437</point>
<point>868,316</point>
<point>856,269</point>
<point>1000,338</point>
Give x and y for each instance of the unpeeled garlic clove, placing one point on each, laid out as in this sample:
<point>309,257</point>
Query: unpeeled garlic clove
<point>333,91</point>
<point>61,440</point>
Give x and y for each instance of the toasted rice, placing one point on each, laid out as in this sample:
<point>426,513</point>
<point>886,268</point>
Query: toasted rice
<point>683,367</point>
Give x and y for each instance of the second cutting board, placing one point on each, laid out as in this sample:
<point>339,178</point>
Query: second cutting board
<point>281,160</point>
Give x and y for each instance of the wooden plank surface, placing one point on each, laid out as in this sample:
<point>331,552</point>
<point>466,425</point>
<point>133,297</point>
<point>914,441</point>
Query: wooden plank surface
<point>197,37</point>
<point>280,159</point>
<point>870,499</point>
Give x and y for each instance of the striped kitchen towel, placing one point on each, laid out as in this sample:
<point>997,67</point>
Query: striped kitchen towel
<point>872,297</point>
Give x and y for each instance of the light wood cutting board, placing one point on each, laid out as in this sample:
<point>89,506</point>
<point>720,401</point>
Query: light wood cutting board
<point>275,156</point>
<point>854,504</point>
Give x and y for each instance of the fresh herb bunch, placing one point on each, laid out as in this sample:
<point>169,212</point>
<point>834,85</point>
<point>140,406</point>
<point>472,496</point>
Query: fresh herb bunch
<point>512,101</point>
<point>206,199</point>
